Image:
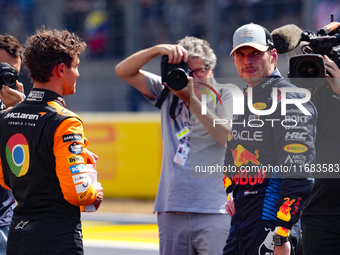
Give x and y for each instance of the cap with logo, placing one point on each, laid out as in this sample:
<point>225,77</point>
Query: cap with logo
<point>254,36</point>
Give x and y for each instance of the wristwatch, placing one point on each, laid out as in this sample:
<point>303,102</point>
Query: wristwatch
<point>279,240</point>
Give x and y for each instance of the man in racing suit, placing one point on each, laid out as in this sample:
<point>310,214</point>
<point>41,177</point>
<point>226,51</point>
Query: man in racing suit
<point>267,181</point>
<point>43,155</point>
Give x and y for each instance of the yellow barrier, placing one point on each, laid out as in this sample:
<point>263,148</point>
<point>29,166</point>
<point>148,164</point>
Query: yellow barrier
<point>129,146</point>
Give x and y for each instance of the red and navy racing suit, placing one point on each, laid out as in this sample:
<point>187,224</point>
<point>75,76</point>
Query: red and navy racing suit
<point>283,146</point>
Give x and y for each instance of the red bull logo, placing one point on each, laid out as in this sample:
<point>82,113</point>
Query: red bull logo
<point>243,178</point>
<point>243,156</point>
<point>284,211</point>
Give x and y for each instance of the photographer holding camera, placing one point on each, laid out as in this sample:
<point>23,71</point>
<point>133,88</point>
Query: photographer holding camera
<point>321,214</point>
<point>11,54</point>
<point>11,93</point>
<point>191,215</point>
<point>314,64</point>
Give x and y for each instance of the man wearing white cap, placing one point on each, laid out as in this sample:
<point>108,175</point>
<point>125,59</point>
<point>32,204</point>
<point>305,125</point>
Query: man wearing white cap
<point>265,194</point>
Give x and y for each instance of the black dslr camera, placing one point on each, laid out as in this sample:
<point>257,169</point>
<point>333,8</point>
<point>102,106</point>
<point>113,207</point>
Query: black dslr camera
<point>8,75</point>
<point>307,69</point>
<point>176,76</point>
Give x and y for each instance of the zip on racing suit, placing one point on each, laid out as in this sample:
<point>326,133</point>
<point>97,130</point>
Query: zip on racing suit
<point>267,162</point>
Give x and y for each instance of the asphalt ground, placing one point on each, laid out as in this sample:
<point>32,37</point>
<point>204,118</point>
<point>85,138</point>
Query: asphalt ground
<point>121,226</point>
<point>126,205</point>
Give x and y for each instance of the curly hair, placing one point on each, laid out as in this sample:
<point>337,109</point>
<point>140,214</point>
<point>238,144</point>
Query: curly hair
<point>48,48</point>
<point>199,48</point>
<point>11,45</point>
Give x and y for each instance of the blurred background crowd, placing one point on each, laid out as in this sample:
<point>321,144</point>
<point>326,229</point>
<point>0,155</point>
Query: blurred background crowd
<point>114,29</point>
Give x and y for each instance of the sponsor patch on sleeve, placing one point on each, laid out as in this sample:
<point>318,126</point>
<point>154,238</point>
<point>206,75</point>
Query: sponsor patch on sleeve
<point>72,138</point>
<point>83,195</point>
<point>80,188</point>
<point>78,178</point>
<point>78,169</point>
<point>75,148</point>
<point>75,159</point>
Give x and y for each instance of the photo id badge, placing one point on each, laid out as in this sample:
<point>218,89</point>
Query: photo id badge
<point>182,154</point>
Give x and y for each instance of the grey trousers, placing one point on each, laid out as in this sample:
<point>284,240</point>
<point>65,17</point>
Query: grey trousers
<point>183,233</point>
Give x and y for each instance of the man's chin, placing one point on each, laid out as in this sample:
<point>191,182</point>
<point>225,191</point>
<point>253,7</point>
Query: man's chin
<point>252,80</point>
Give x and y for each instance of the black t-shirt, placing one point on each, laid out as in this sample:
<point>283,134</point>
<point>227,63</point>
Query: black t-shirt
<point>325,198</point>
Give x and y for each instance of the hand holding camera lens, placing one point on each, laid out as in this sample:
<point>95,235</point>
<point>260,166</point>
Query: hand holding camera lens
<point>333,74</point>
<point>308,70</point>
<point>175,75</point>
<point>13,91</point>
<point>8,75</point>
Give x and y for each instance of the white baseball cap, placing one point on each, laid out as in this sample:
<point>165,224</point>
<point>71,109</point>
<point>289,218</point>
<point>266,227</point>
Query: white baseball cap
<point>254,36</point>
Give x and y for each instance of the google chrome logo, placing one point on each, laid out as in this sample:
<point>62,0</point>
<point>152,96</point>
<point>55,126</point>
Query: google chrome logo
<point>17,154</point>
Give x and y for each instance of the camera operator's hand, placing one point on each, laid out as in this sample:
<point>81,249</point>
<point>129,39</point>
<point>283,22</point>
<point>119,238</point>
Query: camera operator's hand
<point>176,53</point>
<point>131,71</point>
<point>334,79</point>
<point>11,97</point>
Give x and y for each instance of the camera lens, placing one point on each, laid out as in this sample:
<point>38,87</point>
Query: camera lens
<point>177,79</point>
<point>307,70</point>
<point>9,80</point>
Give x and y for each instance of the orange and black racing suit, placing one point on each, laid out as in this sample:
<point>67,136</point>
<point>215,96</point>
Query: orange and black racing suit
<point>43,160</point>
<point>269,158</point>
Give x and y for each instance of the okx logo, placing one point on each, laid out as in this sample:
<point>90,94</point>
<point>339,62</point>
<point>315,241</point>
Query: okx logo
<point>17,154</point>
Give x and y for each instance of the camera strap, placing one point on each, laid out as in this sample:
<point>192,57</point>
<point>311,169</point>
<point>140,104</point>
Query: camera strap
<point>173,107</point>
<point>174,103</point>
<point>162,97</point>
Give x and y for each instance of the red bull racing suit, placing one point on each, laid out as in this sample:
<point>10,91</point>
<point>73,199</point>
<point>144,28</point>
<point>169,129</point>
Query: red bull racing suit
<point>267,164</point>
<point>43,160</point>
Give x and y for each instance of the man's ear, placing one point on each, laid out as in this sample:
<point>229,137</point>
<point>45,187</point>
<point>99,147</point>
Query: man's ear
<point>60,69</point>
<point>274,55</point>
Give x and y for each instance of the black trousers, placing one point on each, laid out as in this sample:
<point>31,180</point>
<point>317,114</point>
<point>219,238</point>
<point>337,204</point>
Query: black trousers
<point>320,235</point>
<point>45,237</point>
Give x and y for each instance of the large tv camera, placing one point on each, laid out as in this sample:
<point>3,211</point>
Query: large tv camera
<point>308,70</point>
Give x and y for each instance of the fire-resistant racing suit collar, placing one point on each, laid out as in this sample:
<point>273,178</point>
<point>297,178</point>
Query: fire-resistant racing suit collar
<point>44,95</point>
<point>268,82</point>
